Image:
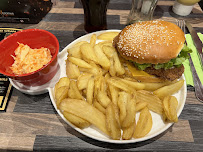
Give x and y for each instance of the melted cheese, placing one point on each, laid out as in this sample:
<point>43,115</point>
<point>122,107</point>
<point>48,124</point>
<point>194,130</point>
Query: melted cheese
<point>136,72</point>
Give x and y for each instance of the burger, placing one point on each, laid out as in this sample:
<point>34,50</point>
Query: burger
<point>156,47</point>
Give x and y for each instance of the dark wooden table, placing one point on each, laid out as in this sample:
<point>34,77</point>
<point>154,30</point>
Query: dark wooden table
<point>32,124</point>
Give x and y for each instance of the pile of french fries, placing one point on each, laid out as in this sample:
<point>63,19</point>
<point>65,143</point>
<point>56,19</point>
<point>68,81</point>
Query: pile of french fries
<point>97,91</point>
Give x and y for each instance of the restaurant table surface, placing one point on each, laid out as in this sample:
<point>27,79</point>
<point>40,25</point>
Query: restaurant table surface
<point>32,124</point>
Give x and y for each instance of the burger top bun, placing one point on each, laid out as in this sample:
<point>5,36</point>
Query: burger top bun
<point>150,42</point>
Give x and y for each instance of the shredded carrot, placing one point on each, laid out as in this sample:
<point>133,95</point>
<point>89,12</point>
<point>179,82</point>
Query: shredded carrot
<point>29,60</point>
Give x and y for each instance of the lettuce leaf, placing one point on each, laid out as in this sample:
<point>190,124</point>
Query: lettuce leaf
<point>176,62</point>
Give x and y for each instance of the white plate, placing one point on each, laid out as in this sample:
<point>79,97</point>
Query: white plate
<point>158,125</point>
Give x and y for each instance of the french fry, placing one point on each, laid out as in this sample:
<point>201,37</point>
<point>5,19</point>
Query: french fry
<point>93,40</point>
<point>108,44</point>
<point>112,69</point>
<point>60,94</point>
<point>83,80</point>
<point>117,64</point>
<point>90,90</point>
<point>109,50</point>
<point>122,104</point>
<point>85,111</point>
<point>74,52</point>
<point>107,76</point>
<point>97,84</point>
<point>114,94</point>
<point>140,105</point>
<point>144,124</point>
<point>99,107</point>
<point>107,36</point>
<point>155,85</point>
<point>105,43</point>
<point>170,104</point>
<point>130,114</point>
<point>95,70</point>
<point>173,108</point>
<point>128,132</point>
<point>77,121</point>
<point>102,59</point>
<point>169,90</point>
<point>79,62</point>
<point>80,43</point>
<point>74,92</point>
<point>64,81</point>
<point>154,103</point>
<point>121,85</point>
<point>148,79</point>
<point>164,118</point>
<point>88,52</point>
<point>72,70</point>
<point>133,84</point>
<point>103,86</point>
<point>112,121</point>
<point>103,99</point>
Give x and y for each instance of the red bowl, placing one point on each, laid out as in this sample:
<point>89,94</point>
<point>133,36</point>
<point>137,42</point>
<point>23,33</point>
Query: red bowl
<point>35,38</point>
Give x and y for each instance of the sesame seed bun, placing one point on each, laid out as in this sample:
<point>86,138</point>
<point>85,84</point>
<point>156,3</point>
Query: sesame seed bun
<point>150,42</point>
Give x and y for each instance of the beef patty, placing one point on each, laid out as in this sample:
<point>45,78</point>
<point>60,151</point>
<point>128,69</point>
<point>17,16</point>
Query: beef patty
<point>168,74</point>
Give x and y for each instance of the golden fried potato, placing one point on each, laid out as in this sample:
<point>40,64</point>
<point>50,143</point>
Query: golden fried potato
<point>170,104</point>
<point>112,121</point>
<point>144,124</point>
<point>103,99</point>
<point>120,84</point>
<point>90,90</point>
<point>95,70</point>
<point>88,52</point>
<point>99,106</point>
<point>85,111</point>
<point>112,69</point>
<point>74,52</point>
<point>109,50</point>
<point>152,86</point>
<point>107,76</point>
<point>128,132</point>
<point>80,43</point>
<point>154,103</point>
<point>60,94</point>
<point>103,86</point>
<point>114,94</point>
<point>133,84</point>
<point>140,105</point>
<point>130,114</point>
<point>122,105</point>
<point>102,59</point>
<point>83,80</point>
<point>169,90</point>
<point>72,70</point>
<point>173,104</point>
<point>79,62</point>
<point>64,81</point>
<point>93,40</point>
<point>97,84</point>
<point>105,43</point>
<point>117,65</point>
<point>107,36</point>
<point>74,92</point>
<point>77,121</point>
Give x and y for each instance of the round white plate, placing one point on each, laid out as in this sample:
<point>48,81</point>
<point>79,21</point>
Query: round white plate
<point>158,125</point>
